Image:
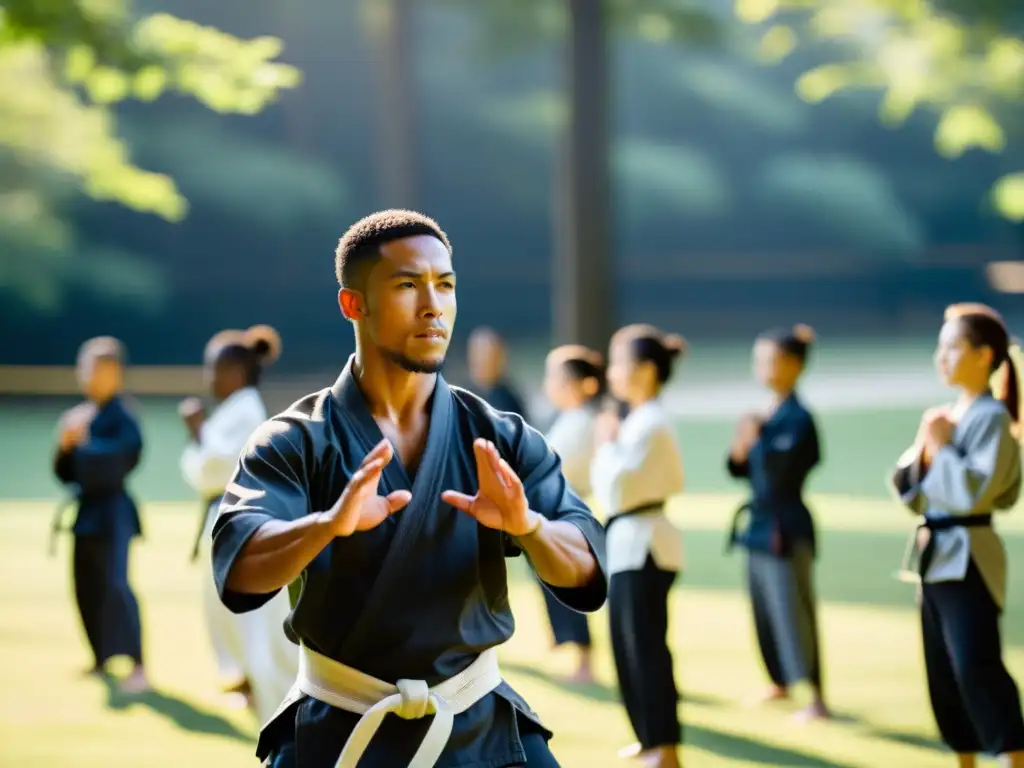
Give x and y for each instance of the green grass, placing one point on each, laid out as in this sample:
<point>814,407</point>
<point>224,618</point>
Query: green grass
<point>50,717</point>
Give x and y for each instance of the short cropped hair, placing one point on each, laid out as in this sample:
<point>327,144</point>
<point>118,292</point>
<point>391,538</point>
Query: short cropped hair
<point>101,348</point>
<point>359,247</point>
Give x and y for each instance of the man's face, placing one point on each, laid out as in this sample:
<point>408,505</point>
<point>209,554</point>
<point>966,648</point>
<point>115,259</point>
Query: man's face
<point>408,307</point>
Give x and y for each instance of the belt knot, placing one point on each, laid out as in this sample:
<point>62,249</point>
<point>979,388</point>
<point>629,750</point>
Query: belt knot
<point>417,701</point>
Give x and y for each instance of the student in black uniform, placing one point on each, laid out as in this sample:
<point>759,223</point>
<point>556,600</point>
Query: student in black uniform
<point>100,445</point>
<point>964,466</point>
<point>393,499</point>
<point>488,368</point>
<point>775,453</point>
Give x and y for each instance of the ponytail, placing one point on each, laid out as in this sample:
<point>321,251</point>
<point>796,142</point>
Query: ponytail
<point>253,349</point>
<point>1010,391</point>
<point>653,345</point>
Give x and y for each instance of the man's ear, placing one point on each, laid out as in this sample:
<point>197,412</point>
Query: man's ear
<point>352,305</point>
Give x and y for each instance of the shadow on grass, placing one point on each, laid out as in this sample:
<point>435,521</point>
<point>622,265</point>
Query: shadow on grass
<point>731,745</point>
<point>182,713</point>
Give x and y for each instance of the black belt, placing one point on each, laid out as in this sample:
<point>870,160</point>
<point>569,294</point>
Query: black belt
<point>656,506</point>
<point>945,524</point>
<point>202,525</point>
<point>734,528</point>
<point>57,524</point>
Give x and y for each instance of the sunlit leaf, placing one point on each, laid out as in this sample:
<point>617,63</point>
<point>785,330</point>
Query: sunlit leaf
<point>819,83</point>
<point>107,85</point>
<point>78,63</point>
<point>898,104</point>
<point>756,11</point>
<point>965,127</point>
<point>777,43</point>
<point>149,83</point>
<point>1008,196</point>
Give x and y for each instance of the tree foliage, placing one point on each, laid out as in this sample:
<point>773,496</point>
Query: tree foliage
<point>65,66</point>
<point>955,58</point>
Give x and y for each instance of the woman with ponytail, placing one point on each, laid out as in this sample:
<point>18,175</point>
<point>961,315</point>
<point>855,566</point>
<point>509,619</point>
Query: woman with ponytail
<point>965,465</point>
<point>637,467</point>
<point>254,656</point>
<point>775,453</point>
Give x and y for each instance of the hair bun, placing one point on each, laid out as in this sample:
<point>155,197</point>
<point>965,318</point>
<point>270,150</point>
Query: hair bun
<point>265,341</point>
<point>803,333</point>
<point>674,343</point>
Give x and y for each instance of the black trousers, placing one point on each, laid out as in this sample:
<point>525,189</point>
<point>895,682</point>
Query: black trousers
<point>106,603</point>
<point>975,701</point>
<point>567,625</point>
<point>638,605</point>
<point>785,615</point>
<point>535,746</point>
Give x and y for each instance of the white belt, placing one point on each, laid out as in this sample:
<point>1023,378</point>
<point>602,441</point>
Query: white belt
<point>349,689</point>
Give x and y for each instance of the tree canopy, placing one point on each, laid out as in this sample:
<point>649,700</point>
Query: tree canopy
<point>952,57</point>
<point>65,66</point>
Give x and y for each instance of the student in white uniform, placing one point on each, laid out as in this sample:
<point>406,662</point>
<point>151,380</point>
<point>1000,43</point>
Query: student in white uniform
<point>252,651</point>
<point>964,466</point>
<point>573,382</point>
<point>636,468</point>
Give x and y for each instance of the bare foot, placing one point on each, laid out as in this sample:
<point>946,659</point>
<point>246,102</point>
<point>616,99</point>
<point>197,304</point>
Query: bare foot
<point>814,711</point>
<point>661,757</point>
<point>772,693</point>
<point>136,682</point>
<point>582,676</point>
<point>242,687</point>
<point>630,751</point>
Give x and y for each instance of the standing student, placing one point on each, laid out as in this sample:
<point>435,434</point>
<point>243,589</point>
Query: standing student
<point>488,369</point>
<point>964,466</point>
<point>573,382</point>
<point>100,445</point>
<point>636,468</point>
<point>393,499</point>
<point>253,653</point>
<point>775,453</point>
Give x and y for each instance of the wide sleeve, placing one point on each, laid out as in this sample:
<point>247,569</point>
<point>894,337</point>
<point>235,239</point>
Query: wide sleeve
<point>208,464</point>
<point>905,480</point>
<point>270,483</point>
<point>102,464</point>
<point>625,475</point>
<point>549,494</point>
<point>737,469</point>
<point>985,476</point>
<point>574,445</point>
<point>62,468</point>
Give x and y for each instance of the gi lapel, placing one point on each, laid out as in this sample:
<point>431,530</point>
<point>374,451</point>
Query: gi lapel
<point>426,491</point>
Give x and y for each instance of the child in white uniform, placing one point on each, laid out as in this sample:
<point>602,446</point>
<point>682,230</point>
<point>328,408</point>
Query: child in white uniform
<point>252,651</point>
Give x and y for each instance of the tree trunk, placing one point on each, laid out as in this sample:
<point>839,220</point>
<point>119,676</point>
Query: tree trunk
<point>389,23</point>
<point>583,311</point>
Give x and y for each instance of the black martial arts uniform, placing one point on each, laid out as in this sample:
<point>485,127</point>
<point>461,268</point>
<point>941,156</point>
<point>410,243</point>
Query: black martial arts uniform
<point>780,541</point>
<point>422,595</point>
<point>104,527</point>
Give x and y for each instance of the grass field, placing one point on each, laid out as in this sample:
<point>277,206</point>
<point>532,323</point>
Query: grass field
<point>50,717</point>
